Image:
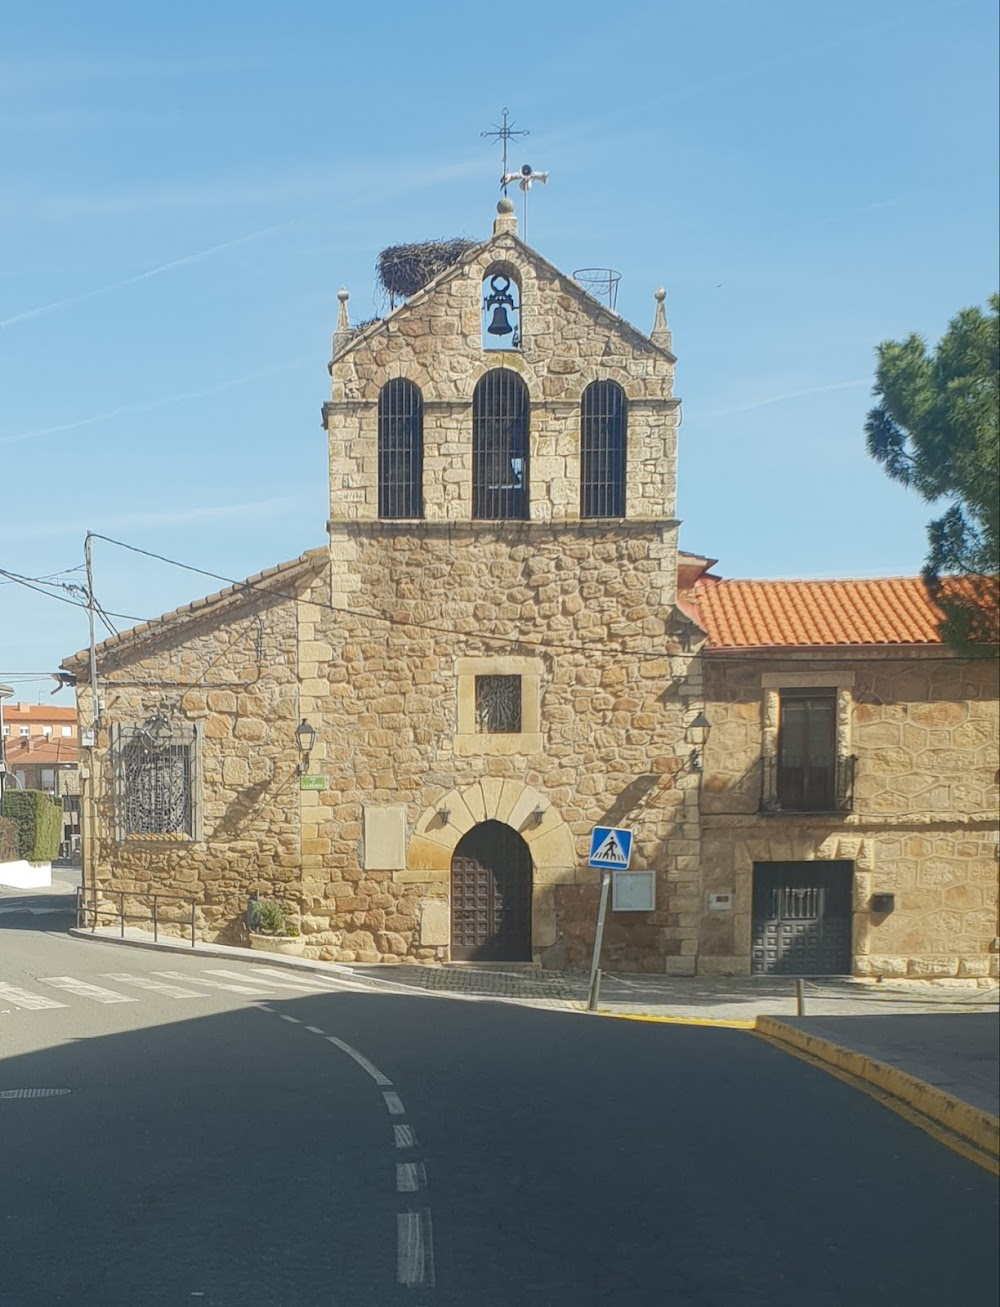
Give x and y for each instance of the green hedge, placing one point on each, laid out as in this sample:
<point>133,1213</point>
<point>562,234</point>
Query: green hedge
<point>8,840</point>
<point>39,821</point>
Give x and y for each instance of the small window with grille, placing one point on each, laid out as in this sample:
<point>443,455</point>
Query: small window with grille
<point>603,422</point>
<point>155,781</point>
<point>498,705</point>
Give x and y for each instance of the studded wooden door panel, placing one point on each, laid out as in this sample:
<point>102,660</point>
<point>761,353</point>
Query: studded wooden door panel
<point>491,896</point>
<point>801,919</point>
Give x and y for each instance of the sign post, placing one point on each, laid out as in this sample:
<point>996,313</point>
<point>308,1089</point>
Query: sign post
<point>599,937</point>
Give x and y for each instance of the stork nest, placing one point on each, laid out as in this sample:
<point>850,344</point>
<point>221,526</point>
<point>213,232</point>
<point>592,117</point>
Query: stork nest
<point>404,269</point>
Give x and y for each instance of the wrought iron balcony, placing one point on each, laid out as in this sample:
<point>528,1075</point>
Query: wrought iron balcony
<point>816,784</point>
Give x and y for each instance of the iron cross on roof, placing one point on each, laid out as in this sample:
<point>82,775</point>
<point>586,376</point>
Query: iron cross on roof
<point>504,133</point>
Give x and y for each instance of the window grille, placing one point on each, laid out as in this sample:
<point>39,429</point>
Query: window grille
<point>400,450</point>
<point>154,773</point>
<point>498,705</point>
<point>500,419</point>
<point>603,423</point>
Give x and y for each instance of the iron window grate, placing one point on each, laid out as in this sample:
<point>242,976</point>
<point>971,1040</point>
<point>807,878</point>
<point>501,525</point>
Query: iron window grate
<point>500,420</point>
<point>400,450</point>
<point>155,782</point>
<point>603,431</point>
<point>498,705</point>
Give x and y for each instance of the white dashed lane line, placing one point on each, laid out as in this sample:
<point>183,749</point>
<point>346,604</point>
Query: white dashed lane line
<point>361,1060</point>
<point>410,1176</point>
<point>414,1231</point>
<point>404,1136</point>
<point>414,1248</point>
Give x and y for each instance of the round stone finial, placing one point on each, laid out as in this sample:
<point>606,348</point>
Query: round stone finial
<point>343,295</point>
<point>506,205</point>
<point>660,295</point>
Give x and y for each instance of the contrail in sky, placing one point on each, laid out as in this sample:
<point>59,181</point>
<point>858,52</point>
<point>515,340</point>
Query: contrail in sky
<point>43,309</point>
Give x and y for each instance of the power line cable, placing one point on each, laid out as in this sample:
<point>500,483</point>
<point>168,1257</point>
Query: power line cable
<point>556,646</point>
<point>406,624</point>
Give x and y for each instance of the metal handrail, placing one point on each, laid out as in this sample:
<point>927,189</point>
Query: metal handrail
<point>116,908</point>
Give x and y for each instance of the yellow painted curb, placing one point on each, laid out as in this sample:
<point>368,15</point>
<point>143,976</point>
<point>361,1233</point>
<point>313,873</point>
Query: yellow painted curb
<point>679,1021</point>
<point>972,1124</point>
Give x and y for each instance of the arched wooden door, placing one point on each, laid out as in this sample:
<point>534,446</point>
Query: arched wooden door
<point>491,896</point>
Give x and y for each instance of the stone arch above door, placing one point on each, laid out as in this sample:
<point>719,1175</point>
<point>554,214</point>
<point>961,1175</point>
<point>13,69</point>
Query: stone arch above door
<point>550,842</point>
<point>491,799</point>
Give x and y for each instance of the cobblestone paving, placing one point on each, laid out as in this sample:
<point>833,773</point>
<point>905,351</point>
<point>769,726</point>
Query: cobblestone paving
<point>484,982</point>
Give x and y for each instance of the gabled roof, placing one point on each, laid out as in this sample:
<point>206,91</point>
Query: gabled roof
<point>38,712</point>
<point>41,751</point>
<point>817,614</point>
<point>508,243</point>
<point>270,580</point>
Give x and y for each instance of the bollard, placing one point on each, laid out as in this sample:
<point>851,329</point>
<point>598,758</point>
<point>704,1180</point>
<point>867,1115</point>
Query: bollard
<point>192,923</point>
<point>154,920</point>
<point>800,997</point>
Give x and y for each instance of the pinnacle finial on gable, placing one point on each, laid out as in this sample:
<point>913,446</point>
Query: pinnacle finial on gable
<point>506,219</point>
<point>660,335</point>
<point>342,331</point>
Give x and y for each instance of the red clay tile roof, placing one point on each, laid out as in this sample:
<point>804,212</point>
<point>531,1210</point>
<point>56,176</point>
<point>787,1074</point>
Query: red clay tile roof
<point>40,751</point>
<point>816,614</point>
<point>38,712</point>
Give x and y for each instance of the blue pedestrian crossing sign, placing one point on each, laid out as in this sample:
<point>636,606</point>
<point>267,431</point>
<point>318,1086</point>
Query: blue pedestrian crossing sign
<point>611,847</point>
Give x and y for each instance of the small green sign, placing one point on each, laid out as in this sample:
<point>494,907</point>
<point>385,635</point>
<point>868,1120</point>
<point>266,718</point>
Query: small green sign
<point>312,782</point>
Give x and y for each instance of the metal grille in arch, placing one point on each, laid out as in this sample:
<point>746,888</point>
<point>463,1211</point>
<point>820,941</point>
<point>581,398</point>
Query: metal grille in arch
<point>500,418</point>
<point>400,450</point>
<point>603,430</point>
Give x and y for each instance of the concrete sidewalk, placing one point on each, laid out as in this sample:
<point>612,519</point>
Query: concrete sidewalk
<point>956,1057</point>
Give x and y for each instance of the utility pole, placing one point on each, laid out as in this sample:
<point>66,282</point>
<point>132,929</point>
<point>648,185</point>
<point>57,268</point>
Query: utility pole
<point>88,554</point>
<point>89,810</point>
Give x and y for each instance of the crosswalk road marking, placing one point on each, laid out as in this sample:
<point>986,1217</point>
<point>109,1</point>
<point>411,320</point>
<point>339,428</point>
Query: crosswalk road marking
<point>279,982</point>
<point>157,986</point>
<point>96,993</point>
<point>215,984</point>
<point>24,999</point>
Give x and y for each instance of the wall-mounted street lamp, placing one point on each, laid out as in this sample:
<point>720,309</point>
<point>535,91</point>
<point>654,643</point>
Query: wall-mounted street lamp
<point>538,816</point>
<point>305,736</point>
<point>444,816</point>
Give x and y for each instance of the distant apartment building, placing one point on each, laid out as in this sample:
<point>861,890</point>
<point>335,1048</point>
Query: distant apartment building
<point>40,749</point>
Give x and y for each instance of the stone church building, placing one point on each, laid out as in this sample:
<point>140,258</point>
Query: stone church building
<point>407,735</point>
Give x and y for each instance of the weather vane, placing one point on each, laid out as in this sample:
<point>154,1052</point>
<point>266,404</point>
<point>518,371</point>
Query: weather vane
<point>504,133</point>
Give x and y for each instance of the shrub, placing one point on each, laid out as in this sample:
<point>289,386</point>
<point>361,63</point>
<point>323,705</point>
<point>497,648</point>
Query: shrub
<point>271,920</point>
<point>8,840</point>
<point>38,818</point>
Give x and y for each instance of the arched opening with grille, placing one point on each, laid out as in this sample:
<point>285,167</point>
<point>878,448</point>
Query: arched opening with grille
<point>603,432</point>
<point>500,431</point>
<point>400,450</point>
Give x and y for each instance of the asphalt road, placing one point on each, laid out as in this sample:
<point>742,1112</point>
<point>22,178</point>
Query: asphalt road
<point>220,1149</point>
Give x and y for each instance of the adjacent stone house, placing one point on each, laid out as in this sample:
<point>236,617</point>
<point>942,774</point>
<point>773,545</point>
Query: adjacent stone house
<point>408,734</point>
<point>849,794</point>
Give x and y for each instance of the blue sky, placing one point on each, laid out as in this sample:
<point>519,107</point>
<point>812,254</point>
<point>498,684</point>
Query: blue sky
<point>184,188</point>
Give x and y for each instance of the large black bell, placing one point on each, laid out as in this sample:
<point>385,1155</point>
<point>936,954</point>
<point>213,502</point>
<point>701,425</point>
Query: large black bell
<point>500,326</point>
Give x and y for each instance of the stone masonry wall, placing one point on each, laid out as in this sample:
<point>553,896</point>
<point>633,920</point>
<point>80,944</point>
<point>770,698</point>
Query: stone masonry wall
<point>924,730</point>
<point>234,673</point>
<point>616,692</point>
